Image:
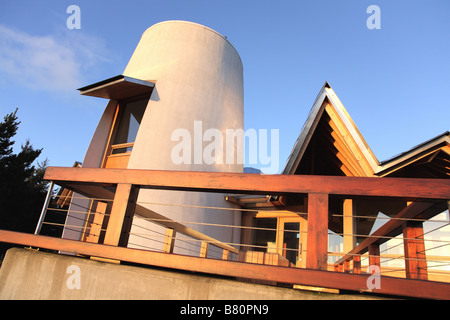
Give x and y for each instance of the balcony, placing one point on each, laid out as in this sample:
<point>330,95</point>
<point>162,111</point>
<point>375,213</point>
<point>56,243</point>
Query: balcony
<point>106,233</point>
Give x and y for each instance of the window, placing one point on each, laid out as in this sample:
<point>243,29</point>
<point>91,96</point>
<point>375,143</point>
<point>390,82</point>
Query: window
<point>130,118</point>
<point>264,234</point>
<point>280,235</point>
<point>291,241</point>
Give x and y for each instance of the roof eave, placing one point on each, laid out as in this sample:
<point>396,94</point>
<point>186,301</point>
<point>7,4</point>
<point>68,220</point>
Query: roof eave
<point>118,87</point>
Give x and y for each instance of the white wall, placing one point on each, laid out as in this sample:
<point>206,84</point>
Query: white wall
<point>199,77</point>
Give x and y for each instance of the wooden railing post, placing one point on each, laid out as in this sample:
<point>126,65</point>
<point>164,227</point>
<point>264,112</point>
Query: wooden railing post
<point>204,249</point>
<point>169,240</point>
<point>356,264</point>
<point>415,257</point>
<point>347,266</point>
<point>374,254</point>
<point>119,223</point>
<point>349,226</point>
<point>95,228</point>
<point>317,239</point>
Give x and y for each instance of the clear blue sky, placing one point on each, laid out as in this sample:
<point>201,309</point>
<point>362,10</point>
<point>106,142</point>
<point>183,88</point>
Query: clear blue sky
<point>393,81</point>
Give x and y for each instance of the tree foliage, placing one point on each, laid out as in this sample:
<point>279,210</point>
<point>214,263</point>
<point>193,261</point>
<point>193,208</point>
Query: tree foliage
<point>22,188</point>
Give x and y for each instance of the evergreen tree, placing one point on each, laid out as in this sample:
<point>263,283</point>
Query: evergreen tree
<point>22,188</point>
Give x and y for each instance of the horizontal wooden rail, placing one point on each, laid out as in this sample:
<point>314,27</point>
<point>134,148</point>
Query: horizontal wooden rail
<point>327,279</point>
<point>407,188</point>
<point>426,195</point>
<point>352,282</point>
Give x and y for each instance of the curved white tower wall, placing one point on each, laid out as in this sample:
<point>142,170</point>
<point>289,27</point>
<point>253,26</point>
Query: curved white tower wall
<point>199,86</point>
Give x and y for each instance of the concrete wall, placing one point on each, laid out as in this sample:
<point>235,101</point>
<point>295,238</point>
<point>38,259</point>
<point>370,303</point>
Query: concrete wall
<point>31,274</point>
<point>199,77</point>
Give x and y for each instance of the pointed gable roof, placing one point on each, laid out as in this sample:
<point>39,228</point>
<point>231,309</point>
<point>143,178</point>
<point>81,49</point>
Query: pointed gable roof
<point>330,136</point>
<point>430,159</point>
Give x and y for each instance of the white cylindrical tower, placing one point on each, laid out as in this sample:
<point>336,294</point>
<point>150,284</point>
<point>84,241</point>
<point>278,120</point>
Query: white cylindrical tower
<point>198,96</point>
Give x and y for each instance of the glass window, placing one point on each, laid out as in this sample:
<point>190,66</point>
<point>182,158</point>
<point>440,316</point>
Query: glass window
<point>264,234</point>
<point>128,124</point>
<point>291,240</point>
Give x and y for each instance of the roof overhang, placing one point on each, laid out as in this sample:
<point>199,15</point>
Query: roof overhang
<point>432,146</point>
<point>118,87</point>
<point>328,95</point>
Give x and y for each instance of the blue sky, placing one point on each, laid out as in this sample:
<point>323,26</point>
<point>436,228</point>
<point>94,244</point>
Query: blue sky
<point>392,81</point>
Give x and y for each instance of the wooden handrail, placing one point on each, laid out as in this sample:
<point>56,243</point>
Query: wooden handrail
<point>406,188</point>
<point>425,193</point>
<point>309,277</point>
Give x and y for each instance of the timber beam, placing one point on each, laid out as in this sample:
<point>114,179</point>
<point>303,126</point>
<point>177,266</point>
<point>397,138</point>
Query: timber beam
<point>407,188</point>
<point>320,278</point>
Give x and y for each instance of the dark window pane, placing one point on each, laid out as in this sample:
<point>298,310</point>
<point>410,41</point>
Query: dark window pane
<point>265,235</point>
<point>130,120</point>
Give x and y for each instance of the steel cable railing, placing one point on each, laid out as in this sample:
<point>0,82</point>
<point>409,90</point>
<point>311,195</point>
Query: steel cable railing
<point>153,239</point>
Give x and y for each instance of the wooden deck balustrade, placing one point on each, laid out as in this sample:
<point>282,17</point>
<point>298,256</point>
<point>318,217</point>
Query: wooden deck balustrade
<point>425,194</point>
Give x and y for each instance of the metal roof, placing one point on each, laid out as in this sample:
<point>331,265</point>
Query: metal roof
<point>118,87</point>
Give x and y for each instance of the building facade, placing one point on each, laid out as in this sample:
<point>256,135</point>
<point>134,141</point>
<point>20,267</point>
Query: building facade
<point>183,81</point>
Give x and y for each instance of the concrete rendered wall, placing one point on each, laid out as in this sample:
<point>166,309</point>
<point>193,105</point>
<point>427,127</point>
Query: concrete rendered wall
<point>30,274</point>
<point>199,78</point>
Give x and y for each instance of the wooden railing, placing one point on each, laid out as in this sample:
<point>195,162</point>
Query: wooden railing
<point>423,193</point>
<point>413,232</point>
